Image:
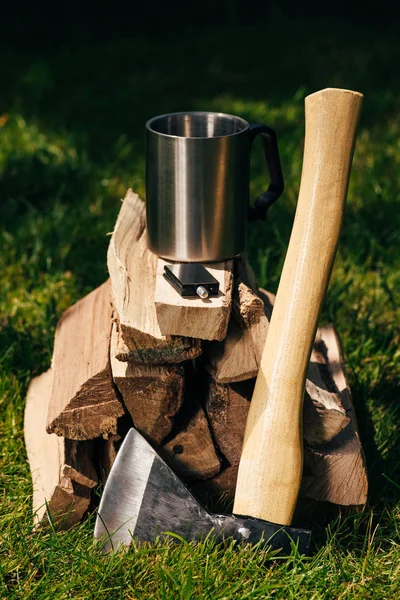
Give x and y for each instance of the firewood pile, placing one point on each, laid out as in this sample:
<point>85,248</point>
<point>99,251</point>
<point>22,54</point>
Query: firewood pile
<point>182,371</point>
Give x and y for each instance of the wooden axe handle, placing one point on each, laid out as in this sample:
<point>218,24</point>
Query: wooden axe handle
<point>271,465</point>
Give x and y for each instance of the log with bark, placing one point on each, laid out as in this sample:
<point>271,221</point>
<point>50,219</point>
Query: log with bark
<point>337,470</point>
<point>63,473</point>
<point>152,394</point>
<point>334,463</point>
<point>237,357</point>
<point>83,403</point>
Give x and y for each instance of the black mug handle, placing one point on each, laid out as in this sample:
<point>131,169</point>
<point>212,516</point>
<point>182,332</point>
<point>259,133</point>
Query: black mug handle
<point>276,186</point>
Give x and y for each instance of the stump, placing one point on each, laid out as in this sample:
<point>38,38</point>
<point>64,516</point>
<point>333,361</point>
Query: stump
<point>183,371</point>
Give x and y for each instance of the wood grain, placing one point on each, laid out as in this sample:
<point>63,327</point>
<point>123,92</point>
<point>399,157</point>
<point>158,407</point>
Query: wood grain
<point>194,317</point>
<point>62,470</point>
<point>227,408</point>
<point>83,403</point>
<point>152,394</point>
<point>132,269</point>
<point>191,453</point>
<point>238,356</point>
<point>338,468</point>
<point>272,459</point>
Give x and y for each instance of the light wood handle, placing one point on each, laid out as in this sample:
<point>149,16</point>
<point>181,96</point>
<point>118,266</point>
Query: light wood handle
<point>271,464</point>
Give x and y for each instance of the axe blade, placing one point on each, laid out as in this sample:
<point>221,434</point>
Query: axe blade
<point>143,498</point>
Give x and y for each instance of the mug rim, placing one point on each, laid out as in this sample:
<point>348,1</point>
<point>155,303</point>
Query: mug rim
<point>197,112</point>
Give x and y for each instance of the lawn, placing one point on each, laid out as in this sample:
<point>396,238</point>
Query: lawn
<point>71,142</point>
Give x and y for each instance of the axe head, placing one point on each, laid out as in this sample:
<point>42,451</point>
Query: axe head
<point>143,499</point>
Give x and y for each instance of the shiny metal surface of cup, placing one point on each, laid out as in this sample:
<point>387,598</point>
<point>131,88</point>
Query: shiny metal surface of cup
<point>197,186</point>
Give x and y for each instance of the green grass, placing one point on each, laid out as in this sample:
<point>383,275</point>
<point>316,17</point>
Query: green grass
<point>71,143</point>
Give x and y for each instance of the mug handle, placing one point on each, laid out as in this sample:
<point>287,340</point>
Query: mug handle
<point>276,186</point>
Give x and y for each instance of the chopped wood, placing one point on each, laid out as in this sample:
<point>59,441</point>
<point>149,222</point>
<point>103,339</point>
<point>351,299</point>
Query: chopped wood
<point>233,359</point>
<point>107,451</point>
<point>132,269</point>
<point>152,394</point>
<point>191,453</point>
<point>324,415</point>
<point>237,357</point>
<point>219,488</point>
<point>337,471</point>
<point>83,403</point>
<point>62,470</point>
<point>227,407</point>
<point>334,468</point>
<point>247,306</point>
<point>191,316</point>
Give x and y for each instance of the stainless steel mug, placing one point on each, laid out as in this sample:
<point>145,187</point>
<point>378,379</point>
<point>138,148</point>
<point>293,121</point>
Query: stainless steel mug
<point>197,184</point>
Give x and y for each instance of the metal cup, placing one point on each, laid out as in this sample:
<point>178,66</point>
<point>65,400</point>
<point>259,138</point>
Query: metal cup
<point>197,184</point>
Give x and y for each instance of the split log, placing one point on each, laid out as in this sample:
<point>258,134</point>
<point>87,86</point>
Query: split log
<point>152,394</point>
<point>107,451</point>
<point>220,488</point>
<point>191,453</point>
<point>205,319</point>
<point>62,470</point>
<point>132,269</point>
<point>337,471</point>
<point>324,415</point>
<point>227,407</point>
<point>327,418</point>
<point>237,357</point>
<point>83,403</point>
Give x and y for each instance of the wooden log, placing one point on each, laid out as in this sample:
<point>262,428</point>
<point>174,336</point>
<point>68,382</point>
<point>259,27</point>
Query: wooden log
<point>107,451</point>
<point>220,488</point>
<point>191,453</point>
<point>83,403</point>
<point>194,317</point>
<point>237,357</point>
<point>336,471</point>
<point>132,269</point>
<point>227,407</point>
<point>62,470</point>
<point>327,418</point>
<point>152,394</point>
<point>247,306</point>
<point>324,415</point>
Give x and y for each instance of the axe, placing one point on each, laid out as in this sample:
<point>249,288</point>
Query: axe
<point>143,498</point>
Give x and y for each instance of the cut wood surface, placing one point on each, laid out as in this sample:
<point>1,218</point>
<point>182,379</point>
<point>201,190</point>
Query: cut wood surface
<point>219,488</point>
<point>227,408</point>
<point>152,394</point>
<point>83,403</point>
<point>205,319</point>
<point>132,269</point>
<point>107,451</point>
<point>191,453</point>
<point>234,359</point>
<point>338,468</point>
<point>62,470</point>
<point>237,357</point>
<point>324,415</point>
<point>334,469</point>
<point>247,306</point>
